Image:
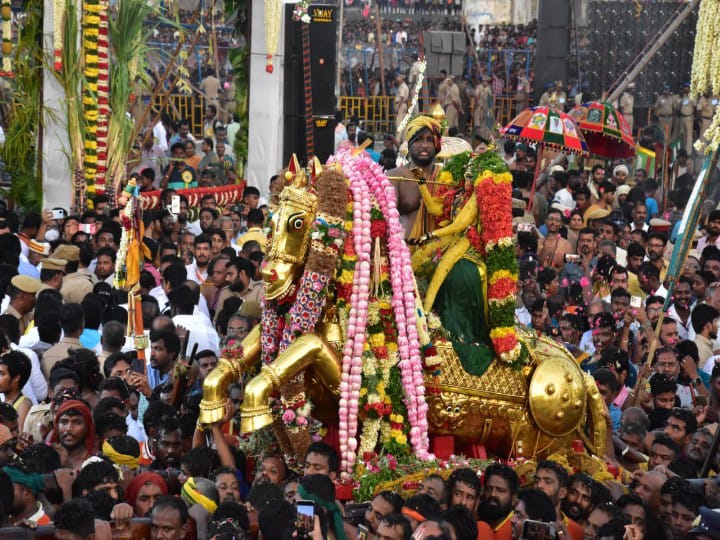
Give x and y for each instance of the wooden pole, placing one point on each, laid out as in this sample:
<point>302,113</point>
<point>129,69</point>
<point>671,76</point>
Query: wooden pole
<point>685,235</point>
<point>379,48</point>
<point>338,66</point>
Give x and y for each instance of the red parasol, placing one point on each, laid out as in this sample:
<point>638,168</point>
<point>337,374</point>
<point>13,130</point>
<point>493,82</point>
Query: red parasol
<point>605,129</point>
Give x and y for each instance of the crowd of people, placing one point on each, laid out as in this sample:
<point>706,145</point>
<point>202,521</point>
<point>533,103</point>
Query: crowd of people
<point>90,433</point>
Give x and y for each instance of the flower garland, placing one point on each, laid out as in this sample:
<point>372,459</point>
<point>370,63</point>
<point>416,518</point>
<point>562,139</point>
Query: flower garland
<point>494,198</point>
<point>416,97</point>
<point>58,16</point>
<point>91,37</point>
<point>7,44</point>
<point>706,64</point>
<point>103,95</point>
<point>273,16</point>
<point>367,180</point>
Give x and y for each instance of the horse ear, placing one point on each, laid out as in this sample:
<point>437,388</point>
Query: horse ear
<point>293,167</point>
<point>316,168</point>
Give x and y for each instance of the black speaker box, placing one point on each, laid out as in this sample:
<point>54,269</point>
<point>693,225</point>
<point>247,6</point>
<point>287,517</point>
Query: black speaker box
<point>553,44</point>
<point>322,39</point>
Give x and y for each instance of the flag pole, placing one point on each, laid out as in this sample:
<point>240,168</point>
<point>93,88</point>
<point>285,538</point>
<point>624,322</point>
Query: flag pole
<point>685,236</point>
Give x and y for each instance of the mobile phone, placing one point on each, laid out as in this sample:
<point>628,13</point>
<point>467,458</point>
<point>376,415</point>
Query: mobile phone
<point>701,401</point>
<point>175,204</point>
<point>524,227</point>
<point>58,213</point>
<point>572,258</point>
<point>537,530</point>
<point>305,521</point>
<point>635,301</point>
<point>88,228</point>
<point>362,532</point>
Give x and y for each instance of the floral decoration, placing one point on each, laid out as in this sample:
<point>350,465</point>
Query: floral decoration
<point>494,199</point>
<point>706,65</point>
<point>7,43</point>
<point>302,11</point>
<point>90,40</point>
<point>373,197</point>
<point>58,16</point>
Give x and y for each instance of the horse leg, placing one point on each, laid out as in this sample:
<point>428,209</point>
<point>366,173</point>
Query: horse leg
<point>306,351</point>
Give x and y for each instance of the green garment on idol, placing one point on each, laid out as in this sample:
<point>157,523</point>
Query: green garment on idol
<point>461,307</point>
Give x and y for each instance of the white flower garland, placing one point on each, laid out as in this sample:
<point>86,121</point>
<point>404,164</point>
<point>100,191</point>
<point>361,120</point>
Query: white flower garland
<point>416,96</point>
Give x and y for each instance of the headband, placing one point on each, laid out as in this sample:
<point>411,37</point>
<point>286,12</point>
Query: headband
<point>330,507</point>
<point>119,459</point>
<point>191,495</point>
<point>141,480</point>
<point>33,481</point>
<point>412,514</point>
<point>418,124</point>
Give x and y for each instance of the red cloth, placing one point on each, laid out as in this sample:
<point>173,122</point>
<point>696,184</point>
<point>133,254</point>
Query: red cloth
<point>85,412</point>
<point>133,489</point>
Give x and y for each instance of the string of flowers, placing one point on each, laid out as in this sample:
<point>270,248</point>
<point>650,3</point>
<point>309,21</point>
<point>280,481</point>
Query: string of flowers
<point>355,337</point>
<point>7,44</point>
<point>416,97</point>
<point>58,12</point>
<point>90,39</point>
<point>494,199</point>
<point>362,171</point>
<point>103,95</point>
<point>706,65</point>
<point>404,307</point>
<point>273,16</point>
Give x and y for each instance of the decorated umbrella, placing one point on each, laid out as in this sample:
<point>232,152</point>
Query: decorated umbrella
<point>548,128</point>
<point>605,129</point>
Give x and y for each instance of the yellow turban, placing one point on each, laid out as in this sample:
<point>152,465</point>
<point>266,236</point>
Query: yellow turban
<point>117,458</point>
<point>191,495</point>
<point>416,126</point>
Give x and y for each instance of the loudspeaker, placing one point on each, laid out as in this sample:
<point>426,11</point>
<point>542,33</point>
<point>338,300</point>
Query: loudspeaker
<point>553,44</point>
<point>322,41</point>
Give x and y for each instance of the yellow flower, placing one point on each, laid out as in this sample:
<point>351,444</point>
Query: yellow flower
<point>500,274</point>
<point>376,340</point>
<point>363,391</point>
<point>346,276</point>
<point>392,346</point>
<point>501,332</point>
<point>445,177</point>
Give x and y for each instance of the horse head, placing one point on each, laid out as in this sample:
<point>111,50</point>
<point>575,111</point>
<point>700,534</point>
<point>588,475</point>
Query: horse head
<point>291,223</point>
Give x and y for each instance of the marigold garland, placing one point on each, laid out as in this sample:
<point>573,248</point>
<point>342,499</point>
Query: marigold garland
<point>58,17</point>
<point>493,190</point>
<point>91,36</point>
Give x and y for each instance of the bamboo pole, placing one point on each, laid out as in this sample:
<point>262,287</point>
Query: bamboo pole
<point>379,48</point>
<point>338,66</point>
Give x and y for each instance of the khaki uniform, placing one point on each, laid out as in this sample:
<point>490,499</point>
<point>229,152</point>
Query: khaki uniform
<point>664,109</point>
<point>483,100</point>
<point>401,102</point>
<point>210,86</point>
<point>558,100</point>
<point>544,99</point>
<point>705,111</point>
<point>443,90</point>
<point>451,103</point>
<point>627,106</point>
<point>228,103</point>
<point>77,286</point>
<point>23,320</point>
<point>522,95</point>
<point>685,118</point>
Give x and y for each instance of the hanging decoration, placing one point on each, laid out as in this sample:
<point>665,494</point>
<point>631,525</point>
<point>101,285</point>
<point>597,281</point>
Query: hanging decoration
<point>58,14</point>
<point>90,41</point>
<point>273,18</point>
<point>706,66</point>
<point>103,96</point>
<point>7,43</point>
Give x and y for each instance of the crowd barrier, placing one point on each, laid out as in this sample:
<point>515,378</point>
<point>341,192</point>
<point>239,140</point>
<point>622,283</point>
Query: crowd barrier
<point>376,112</point>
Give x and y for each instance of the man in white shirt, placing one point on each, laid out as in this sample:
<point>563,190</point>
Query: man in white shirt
<point>202,333</point>
<point>712,237</point>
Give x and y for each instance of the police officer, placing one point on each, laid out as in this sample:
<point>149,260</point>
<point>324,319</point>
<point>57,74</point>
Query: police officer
<point>627,104</point>
<point>558,98</point>
<point>664,109</point>
<point>545,97</point>
<point>685,107</point>
<point>706,106</point>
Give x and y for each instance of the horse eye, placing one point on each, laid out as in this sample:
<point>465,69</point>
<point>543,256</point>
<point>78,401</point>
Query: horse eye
<point>296,224</point>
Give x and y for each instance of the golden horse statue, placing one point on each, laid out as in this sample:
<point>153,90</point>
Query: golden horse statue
<point>533,411</point>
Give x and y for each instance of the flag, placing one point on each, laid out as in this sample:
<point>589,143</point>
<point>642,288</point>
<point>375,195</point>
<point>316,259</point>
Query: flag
<point>645,160</point>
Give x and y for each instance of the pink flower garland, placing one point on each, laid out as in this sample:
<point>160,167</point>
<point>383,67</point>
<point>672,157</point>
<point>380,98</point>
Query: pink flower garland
<point>364,175</point>
<point>404,305</point>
